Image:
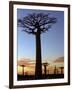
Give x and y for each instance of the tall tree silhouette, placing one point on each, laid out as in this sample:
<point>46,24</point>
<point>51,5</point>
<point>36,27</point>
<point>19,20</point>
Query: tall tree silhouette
<point>55,70</point>
<point>36,24</point>
<point>23,66</point>
<point>45,68</point>
<point>62,68</point>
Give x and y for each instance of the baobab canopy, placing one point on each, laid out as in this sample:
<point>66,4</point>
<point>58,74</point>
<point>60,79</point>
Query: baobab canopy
<point>36,21</point>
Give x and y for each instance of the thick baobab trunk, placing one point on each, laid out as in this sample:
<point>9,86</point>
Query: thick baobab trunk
<point>38,67</point>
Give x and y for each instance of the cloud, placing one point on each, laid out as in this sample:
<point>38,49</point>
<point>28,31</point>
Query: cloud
<point>59,60</point>
<point>26,62</point>
<point>29,66</point>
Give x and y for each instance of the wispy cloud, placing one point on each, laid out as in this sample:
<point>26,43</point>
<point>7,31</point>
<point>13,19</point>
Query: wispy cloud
<point>30,66</point>
<point>26,62</point>
<point>59,60</point>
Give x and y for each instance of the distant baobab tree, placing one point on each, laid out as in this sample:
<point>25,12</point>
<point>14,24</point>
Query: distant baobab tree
<point>36,24</point>
<point>55,70</point>
<point>45,68</point>
<point>23,66</point>
<point>62,68</point>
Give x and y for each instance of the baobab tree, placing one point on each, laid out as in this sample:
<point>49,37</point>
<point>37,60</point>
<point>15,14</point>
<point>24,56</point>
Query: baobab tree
<point>36,24</point>
<point>45,67</point>
<point>23,66</point>
<point>55,70</point>
<point>62,68</point>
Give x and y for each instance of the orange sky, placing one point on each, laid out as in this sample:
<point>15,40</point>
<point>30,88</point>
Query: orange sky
<point>29,68</point>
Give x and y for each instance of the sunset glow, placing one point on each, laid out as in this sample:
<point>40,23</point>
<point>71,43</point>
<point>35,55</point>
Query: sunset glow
<point>29,68</point>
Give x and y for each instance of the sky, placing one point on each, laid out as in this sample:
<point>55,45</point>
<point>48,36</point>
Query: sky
<point>52,42</point>
<point>29,68</point>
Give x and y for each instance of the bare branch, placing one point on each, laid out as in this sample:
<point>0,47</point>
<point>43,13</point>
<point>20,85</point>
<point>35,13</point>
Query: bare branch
<point>50,21</point>
<point>32,23</point>
<point>44,29</point>
<point>29,32</point>
<point>25,25</point>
